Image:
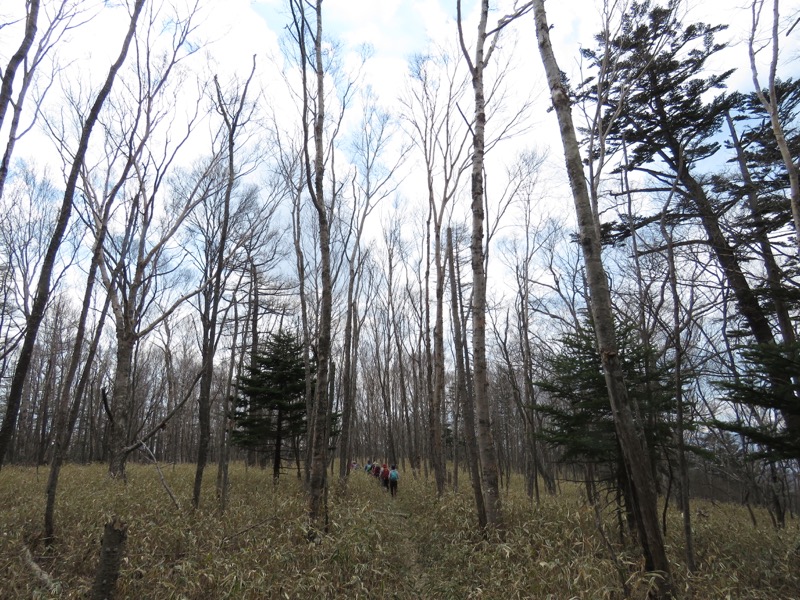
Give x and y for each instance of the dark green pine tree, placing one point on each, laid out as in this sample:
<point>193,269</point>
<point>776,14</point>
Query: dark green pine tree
<point>764,400</point>
<point>769,215</point>
<point>579,418</point>
<point>666,108</point>
<point>270,405</point>
<point>758,140</point>
<point>758,400</point>
<point>660,98</point>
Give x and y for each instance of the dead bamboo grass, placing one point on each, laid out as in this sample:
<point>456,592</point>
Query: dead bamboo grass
<point>258,547</point>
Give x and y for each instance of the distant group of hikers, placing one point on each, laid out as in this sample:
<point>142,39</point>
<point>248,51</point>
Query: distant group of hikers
<point>388,477</point>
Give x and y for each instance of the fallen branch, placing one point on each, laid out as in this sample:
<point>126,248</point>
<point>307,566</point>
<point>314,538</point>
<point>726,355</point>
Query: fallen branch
<point>144,446</point>
<point>227,539</point>
<point>394,514</point>
<point>52,586</point>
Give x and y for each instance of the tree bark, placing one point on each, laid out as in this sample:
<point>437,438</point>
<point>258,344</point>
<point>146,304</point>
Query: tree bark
<point>770,103</point>
<point>683,468</point>
<point>321,408</point>
<point>771,268</point>
<point>7,87</point>
<point>232,113</point>
<point>112,550</point>
<point>65,423</point>
<point>121,393</point>
<point>465,397</point>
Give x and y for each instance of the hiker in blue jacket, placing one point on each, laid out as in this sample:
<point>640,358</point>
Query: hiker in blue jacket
<point>394,477</point>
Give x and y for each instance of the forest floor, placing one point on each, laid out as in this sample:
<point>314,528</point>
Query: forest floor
<point>414,546</point>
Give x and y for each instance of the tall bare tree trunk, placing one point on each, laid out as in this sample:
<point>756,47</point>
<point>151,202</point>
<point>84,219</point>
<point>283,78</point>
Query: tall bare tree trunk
<point>437,397</point>
<point>319,436</point>
<point>631,438</point>
<point>121,393</point>
<point>348,384</point>
<point>770,103</point>
<point>397,336</point>
<point>771,268</point>
<point>683,468</point>
<point>65,420</point>
<point>7,88</point>
<point>464,396</point>
<point>234,366</point>
<point>486,445</point>
<point>234,118</point>
<point>300,263</point>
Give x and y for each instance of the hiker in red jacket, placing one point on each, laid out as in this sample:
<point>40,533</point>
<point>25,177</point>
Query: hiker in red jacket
<point>385,477</point>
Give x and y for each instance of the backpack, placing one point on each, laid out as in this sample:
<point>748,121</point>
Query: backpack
<point>394,475</point>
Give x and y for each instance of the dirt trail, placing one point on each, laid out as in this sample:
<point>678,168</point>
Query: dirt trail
<point>400,527</point>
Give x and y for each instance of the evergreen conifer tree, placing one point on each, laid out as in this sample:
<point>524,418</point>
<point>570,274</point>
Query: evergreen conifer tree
<point>580,420</point>
<point>270,406</point>
<point>666,108</point>
<point>766,398</point>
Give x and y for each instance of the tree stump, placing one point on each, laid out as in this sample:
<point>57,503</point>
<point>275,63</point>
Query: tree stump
<point>113,547</point>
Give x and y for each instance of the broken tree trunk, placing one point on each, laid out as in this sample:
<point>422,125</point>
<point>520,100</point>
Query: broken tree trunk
<point>113,547</point>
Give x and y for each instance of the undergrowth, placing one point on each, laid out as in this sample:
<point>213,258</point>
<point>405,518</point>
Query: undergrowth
<point>414,546</point>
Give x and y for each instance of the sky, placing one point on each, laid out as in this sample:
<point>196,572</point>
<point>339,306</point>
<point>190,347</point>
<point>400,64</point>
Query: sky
<point>396,30</point>
<point>236,30</point>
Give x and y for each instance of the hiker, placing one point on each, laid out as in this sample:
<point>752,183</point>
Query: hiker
<point>385,477</point>
<point>376,470</point>
<point>394,477</point>
<point>368,468</point>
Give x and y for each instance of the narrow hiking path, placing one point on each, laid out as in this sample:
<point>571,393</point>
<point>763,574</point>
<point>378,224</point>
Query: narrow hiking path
<point>419,544</point>
<point>399,524</point>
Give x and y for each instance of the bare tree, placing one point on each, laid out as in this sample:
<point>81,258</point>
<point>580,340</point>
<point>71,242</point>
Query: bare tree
<point>395,307</point>
<point>373,182</point>
<point>521,250</point>
<point>477,65</point>
<point>314,110</point>
<point>10,72</point>
<point>43,286</point>
<point>441,137</point>
<point>138,260</point>
<point>236,112</point>
<point>677,342</point>
<point>463,391</point>
<point>769,98</point>
<point>57,19</point>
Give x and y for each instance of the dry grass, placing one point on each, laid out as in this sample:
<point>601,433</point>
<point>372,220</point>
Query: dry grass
<point>259,547</point>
